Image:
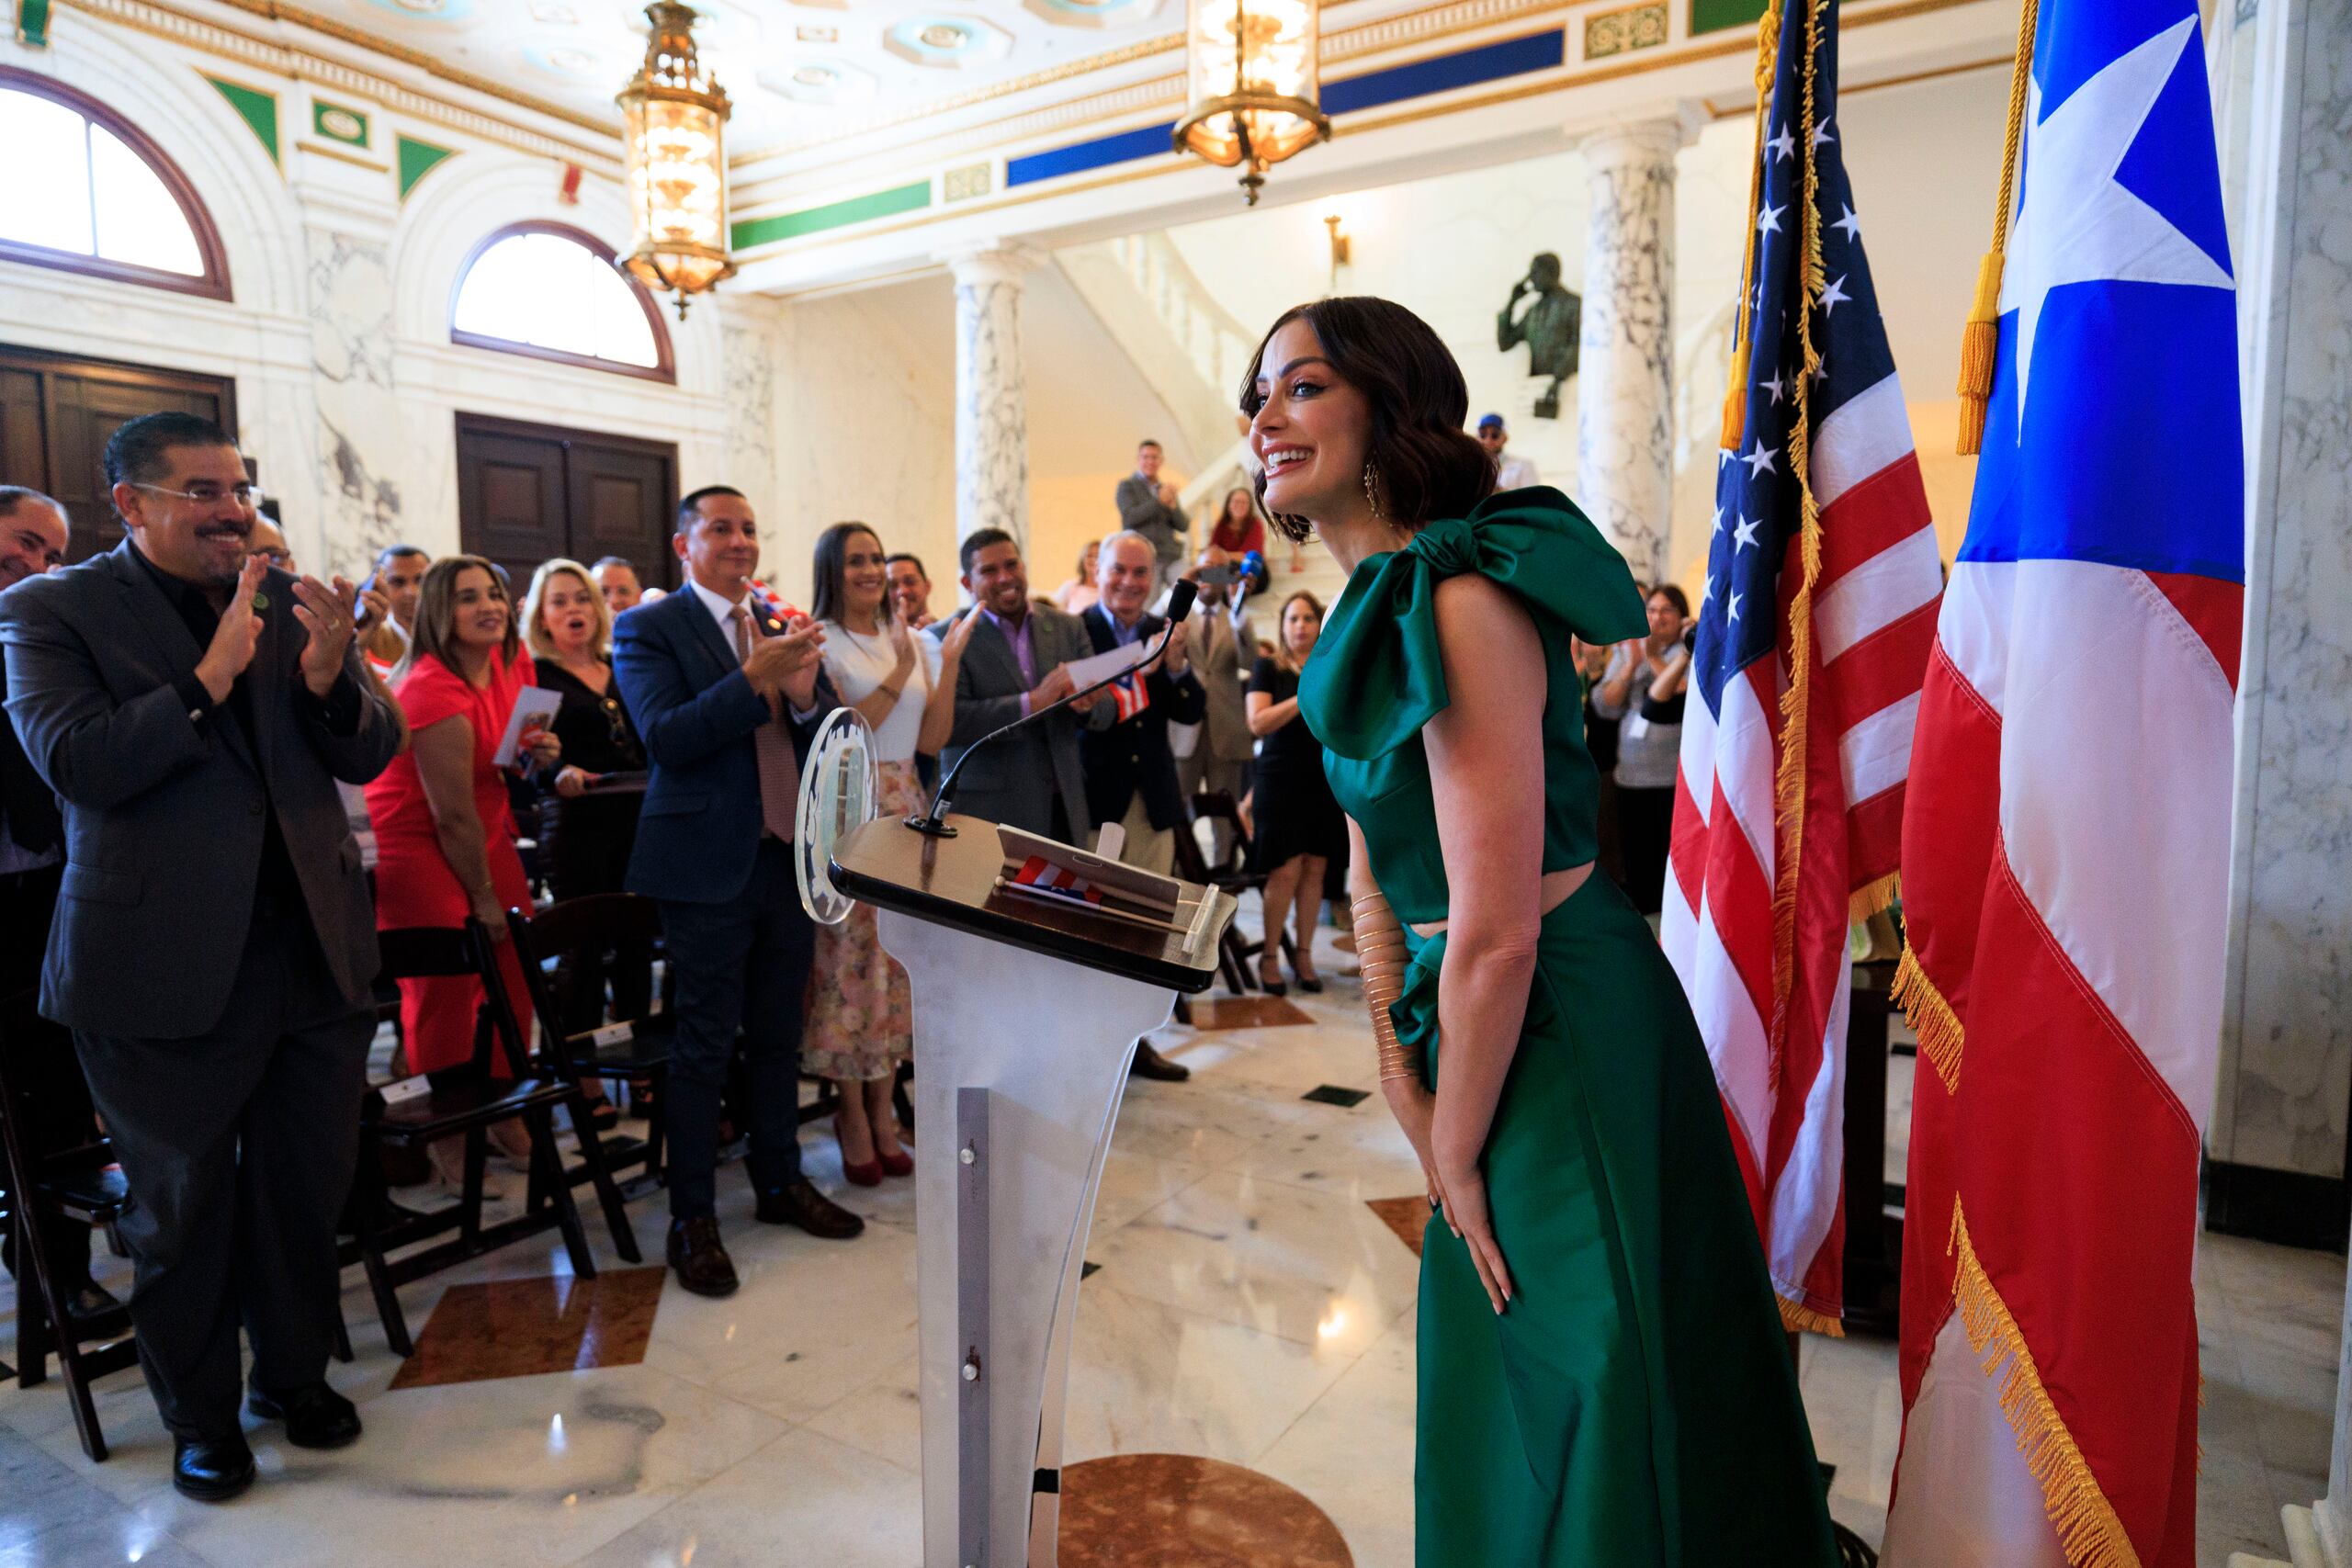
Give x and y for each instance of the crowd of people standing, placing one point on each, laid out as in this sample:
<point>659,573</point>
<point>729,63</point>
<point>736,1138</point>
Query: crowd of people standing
<point>188,697</point>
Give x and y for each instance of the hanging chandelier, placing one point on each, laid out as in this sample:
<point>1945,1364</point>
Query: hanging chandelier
<point>1252,79</point>
<point>674,162</point>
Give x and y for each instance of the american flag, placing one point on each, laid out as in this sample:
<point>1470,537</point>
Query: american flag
<point>2066,861</point>
<point>1813,628</point>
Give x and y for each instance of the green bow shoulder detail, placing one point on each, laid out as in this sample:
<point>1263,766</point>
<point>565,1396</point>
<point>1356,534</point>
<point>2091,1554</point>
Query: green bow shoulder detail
<point>1377,677</point>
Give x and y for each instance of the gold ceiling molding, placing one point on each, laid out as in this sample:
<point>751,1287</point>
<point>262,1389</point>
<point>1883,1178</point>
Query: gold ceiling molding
<point>1414,27</point>
<point>158,19</point>
<point>342,33</point>
<point>1433,24</point>
<point>1142,49</point>
<point>1733,41</point>
<point>1158,93</point>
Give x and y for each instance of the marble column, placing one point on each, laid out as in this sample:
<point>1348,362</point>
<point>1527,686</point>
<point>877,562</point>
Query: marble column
<point>2278,1137</point>
<point>1625,347</point>
<point>991,405</point>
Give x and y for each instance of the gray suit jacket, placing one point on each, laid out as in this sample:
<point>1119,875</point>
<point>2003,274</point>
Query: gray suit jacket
<point>1016,778</point>
<point>1141,509</point>
<point>164,818</point>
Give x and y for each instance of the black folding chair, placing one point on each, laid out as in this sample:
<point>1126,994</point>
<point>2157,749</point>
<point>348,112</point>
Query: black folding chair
<point>469,1107</point>
<point>72,1186</point>
<point>1234,951</point>
<point>626,1051</point>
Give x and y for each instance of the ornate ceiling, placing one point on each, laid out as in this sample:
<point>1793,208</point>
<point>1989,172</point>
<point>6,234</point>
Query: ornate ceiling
<point>792,69</point>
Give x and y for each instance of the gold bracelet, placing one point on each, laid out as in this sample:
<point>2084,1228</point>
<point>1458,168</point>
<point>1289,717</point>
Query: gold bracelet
<point>1382,958</point>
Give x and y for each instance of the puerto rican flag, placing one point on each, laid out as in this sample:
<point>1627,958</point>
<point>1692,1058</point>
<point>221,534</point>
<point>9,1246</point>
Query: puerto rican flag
<point>1042,874</point>
<point>1129,696</point>
<point>2065,863</point>
<point>1813,630</point>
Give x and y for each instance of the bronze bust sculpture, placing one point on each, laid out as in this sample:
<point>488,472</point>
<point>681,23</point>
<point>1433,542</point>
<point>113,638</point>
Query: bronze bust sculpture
<point>1548,328</point>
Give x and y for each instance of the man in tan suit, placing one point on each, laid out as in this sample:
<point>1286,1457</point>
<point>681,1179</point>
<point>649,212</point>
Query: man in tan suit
<point>1224,649</point>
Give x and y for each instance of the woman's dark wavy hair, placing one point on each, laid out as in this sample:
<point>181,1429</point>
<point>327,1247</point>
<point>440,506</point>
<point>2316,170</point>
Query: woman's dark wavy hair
<point>1425,465</point>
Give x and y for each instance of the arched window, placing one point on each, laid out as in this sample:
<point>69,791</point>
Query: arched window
<point>554,292</point>
<point>83,189</point>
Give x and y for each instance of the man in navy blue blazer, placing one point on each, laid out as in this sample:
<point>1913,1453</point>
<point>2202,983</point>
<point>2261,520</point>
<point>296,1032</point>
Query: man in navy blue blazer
<point>727,695</point>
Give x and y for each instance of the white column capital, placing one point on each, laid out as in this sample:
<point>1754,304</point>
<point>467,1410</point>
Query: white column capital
<point>1653,137</point>
<point>992,261</point>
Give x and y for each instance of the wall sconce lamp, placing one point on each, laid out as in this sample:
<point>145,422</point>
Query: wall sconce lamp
<point>1341,245</point>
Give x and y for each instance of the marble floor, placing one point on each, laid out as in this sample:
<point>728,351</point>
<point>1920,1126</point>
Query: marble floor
<point>1252,1309</point>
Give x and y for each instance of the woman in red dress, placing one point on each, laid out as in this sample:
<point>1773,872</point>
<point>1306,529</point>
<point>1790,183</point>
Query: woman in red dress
<point>445,834</point>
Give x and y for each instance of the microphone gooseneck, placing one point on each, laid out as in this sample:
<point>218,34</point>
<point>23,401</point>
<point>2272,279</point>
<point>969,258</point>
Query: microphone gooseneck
<point>1180,606</point>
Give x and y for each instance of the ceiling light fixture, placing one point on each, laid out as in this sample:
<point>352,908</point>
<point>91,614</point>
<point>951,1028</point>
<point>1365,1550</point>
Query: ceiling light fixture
<point>674,163</point>
<point>1252,77</point>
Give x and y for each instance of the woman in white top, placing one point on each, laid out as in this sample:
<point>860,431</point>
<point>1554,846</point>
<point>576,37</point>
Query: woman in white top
<point>860,1020</point>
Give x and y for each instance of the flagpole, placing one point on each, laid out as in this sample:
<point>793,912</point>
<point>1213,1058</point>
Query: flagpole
<point>1743,332</point>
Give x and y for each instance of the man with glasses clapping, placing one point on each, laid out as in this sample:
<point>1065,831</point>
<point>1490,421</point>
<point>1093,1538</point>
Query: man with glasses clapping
<point>193,708</point>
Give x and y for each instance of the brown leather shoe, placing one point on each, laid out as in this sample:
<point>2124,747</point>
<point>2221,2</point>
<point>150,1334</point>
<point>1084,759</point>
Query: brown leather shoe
<point>701,1261</point>
<point>801,1204</point>
<point>1150,1064</point>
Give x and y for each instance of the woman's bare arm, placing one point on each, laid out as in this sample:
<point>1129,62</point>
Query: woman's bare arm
<point>1486,756</point>
<point>1267,716</point>
<point>444,765</point>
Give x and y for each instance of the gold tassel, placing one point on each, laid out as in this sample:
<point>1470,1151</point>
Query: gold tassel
<point>2089,1530</point>
<point>1798,1318</point>
<point>1979,345</point>
<point>1930,1016</point>
<point>1979,340</point>
<point>1735,400</point>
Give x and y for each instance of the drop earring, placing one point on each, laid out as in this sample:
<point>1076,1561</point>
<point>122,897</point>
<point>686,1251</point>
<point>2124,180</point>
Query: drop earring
<point>1372,491</point>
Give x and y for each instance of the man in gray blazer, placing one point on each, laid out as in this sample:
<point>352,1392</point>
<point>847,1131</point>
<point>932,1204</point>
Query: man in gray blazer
<point>1012,667</point>
<point>1147,506</point>
<point>214,949</point>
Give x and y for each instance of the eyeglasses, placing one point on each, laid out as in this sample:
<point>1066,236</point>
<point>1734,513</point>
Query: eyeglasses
<point>248,497</point>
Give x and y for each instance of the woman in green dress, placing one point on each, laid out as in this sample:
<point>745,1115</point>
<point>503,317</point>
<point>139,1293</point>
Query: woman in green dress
<point>1604,1381</point>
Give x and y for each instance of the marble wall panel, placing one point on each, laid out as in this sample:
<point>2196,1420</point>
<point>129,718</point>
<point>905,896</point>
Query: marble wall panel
<point>2287,1052</point>
<point>360,433</point>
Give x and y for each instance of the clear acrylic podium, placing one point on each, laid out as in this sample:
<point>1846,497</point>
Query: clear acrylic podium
<point>1025,1019</point>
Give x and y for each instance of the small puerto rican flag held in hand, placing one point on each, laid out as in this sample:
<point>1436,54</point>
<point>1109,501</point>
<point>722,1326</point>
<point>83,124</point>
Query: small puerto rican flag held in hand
<point>1042,875</point>
<point>1129,696</point>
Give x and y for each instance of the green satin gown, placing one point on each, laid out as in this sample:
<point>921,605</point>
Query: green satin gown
<point>1636,1403</point>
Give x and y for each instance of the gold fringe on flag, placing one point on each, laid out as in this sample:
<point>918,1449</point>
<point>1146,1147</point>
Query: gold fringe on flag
<point>2089,1530</point>
<point>1742,329</point>
<point>1872,896</point>
<point>1788,777</point>
<point>1979,340</point>
<point>1931,1017</point>
<point>1798,1318</point>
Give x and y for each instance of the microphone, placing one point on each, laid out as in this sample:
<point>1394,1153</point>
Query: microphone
<point>1180,608</point>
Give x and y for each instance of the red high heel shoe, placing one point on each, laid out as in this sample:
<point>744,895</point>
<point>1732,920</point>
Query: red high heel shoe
<point>899,1163</point>
<point>868,1174</point>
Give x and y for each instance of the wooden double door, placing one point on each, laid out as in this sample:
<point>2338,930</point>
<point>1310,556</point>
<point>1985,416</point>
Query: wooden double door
<point>529,492</point>
<point>57,411</point>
